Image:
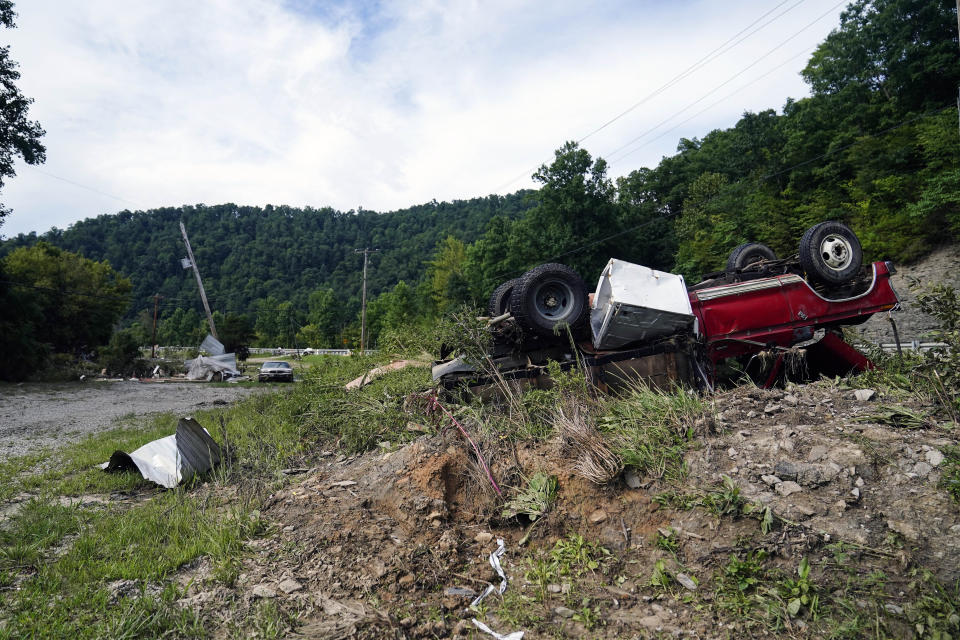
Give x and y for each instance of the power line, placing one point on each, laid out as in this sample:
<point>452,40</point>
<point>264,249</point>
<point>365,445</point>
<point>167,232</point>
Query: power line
<point>610,157</point>
<point>676,79</point>
<point>696,66</point>
<point>728,80</point>
<point>83,186</point>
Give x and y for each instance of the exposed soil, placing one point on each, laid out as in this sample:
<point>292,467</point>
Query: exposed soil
<point>369,547</point>
<point>36,415</point>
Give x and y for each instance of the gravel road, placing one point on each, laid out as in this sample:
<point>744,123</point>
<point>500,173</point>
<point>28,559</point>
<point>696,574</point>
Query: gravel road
<point>34,415</point>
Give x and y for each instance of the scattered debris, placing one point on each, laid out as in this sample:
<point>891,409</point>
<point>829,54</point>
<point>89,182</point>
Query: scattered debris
<point>373,374</point>
<point>173,459</point>
<point>495,563</point>
<point>516,635</point>
<point>209,367</point>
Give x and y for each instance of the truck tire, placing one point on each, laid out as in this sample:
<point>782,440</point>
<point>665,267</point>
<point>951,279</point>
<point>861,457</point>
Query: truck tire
<point>748,253</point>
<point>549,296</point>
<point>830,253</point>
<point>500,298</point>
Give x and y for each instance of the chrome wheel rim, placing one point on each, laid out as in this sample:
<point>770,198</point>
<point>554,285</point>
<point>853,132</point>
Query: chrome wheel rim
<point>836,252</point>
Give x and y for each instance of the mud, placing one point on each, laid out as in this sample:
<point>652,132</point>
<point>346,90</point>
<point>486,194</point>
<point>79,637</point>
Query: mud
<point>37,415</point>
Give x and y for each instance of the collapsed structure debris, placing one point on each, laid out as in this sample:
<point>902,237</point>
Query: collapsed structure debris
<point>173,459</point>
<point>217,365</point>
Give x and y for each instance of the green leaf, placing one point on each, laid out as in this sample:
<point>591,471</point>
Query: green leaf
<point>793,608</point>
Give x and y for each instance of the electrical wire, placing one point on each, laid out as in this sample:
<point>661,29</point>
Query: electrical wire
<point>728,80</point>
<point>696,66</point>
<point>610,157</point>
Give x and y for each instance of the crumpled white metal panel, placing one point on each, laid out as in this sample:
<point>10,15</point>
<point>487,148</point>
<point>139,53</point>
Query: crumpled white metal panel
<point>634,303</point>
<point>170,460</point>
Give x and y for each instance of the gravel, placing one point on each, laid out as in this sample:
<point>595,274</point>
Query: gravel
<point>37,415</point>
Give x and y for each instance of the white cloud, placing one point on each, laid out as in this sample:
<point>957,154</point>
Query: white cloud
<point>263,101</point>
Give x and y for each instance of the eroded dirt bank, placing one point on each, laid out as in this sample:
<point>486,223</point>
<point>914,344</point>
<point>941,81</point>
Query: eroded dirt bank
<point>34,415</point>
<point>394,545</point>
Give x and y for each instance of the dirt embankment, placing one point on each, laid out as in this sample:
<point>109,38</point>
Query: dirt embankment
<point>943,265</point>
<point>36,415</point>
<point>395,544</point>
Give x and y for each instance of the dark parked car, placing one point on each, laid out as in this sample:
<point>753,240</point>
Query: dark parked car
<point>276,370</point>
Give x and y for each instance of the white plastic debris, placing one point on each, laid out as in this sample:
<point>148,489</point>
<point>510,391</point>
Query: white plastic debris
<point>495,563</point>
<point>516,635</point>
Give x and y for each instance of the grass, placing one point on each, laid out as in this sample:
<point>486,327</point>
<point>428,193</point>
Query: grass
<point>57,561</point>
<point>650,430</point>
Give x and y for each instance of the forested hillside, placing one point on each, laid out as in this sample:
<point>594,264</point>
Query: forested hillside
<point>876,145</point>
<point>250,255</point>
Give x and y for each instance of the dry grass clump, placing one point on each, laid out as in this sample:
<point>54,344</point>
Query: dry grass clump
<point>574,423</point>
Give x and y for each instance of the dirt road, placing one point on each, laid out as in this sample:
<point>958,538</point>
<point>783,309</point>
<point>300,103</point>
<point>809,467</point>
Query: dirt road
<point>38,415</point>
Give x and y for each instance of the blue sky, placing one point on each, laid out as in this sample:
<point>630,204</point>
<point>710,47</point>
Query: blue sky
<point>379,104</point>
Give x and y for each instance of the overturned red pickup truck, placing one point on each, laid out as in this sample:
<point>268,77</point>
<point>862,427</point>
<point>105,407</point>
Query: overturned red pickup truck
<point>765,313</point>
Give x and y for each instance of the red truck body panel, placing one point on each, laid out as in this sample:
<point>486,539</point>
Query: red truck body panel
<point>781,311</point>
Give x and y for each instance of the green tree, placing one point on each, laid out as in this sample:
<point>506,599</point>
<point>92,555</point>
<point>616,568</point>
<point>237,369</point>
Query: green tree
<point>445,273</point>
<point>19,136</point>
<point>80,300</point>
<point>392,310</point>
<point>182,328</point>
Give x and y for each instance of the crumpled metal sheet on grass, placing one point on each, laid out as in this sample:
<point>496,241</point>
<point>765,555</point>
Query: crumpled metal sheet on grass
<point>173,459</point>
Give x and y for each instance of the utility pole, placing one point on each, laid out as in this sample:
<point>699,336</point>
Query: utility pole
<point>363,304</point>
<point>153,341</point>
<point>196,272</point>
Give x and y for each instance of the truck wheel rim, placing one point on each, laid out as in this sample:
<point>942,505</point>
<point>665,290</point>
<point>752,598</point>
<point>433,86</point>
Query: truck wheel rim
<point>836,252</point>
<point>553,300</point>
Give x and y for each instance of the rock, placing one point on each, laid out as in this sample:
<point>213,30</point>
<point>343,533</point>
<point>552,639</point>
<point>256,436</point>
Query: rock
<point>908,530</point>
<point>263,591</point>
<point>922,469</point>
<point>855,492</point>
<point>773,408</point>
<point>934,458</point>
<point>553,588</point>
<point>817,453</point>
<point>632,478</point>
<point>732,453</point>
<point>864,395</point>
<point>290,585</point>
<point>686,581</point>
<point>598,516</point>
<point>483,537</point>
<point>771,480</point>
<point>787,488</point>
<point>791,400</point>
<point>858,482</point>
<point>894,609</point>
<point>752,414</point>
<point>785,470</point>
<point>460,591</point>
<point>289,528</point>
<point>564,612</point>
